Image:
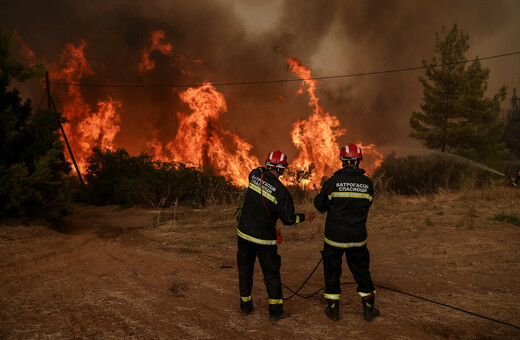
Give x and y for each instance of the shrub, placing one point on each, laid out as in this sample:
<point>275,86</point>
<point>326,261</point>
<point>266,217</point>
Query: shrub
<point>115,177</point>
<point>427,174</point>
<point>503,217</point>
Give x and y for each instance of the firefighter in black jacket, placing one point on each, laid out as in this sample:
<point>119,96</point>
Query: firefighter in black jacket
<point>266,200</point>
<point>346,197</point>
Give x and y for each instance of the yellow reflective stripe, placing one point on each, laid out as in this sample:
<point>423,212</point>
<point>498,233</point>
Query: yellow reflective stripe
<point>275,301</point>
<point>331,296</point>
<point>254,239</point>
<point>350,195</point>
<point>246,298</point>
<point>366,294</point>
<point>263,192</point>
<point>345,245</point>
<point>297,219</point>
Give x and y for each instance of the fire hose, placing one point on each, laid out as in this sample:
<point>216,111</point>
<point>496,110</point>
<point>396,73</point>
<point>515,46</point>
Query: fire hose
<point>296,293</point>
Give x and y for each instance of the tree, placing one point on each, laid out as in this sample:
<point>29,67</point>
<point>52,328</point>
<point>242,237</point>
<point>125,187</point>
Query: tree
<point>455,115</point>
<point>32,164</point>
<point>512,129</point>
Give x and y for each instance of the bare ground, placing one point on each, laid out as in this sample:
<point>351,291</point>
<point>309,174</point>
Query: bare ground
<point>109,273</point>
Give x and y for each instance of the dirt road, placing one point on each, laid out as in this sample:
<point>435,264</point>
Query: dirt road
<point>142,274</point>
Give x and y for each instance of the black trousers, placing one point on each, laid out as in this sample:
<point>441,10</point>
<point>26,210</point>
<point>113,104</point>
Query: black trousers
<point>358,260</point>
<point>270,263</point>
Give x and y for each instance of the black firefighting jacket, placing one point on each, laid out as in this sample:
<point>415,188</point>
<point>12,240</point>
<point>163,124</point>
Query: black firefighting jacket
<point>255,224</point>
<point>347,197</point>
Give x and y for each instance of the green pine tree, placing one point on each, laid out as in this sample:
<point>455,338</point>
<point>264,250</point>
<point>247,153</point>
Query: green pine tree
<point>455,115</point>
<point>512,129</point>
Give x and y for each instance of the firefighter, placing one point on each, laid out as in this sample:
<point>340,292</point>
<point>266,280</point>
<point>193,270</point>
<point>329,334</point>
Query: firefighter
<point>346,197</point>
<point>517,180</point>
<point>266,201</point>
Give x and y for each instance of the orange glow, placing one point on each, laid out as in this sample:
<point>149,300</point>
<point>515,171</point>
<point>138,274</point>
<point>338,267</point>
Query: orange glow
<point>315,137</point>
<point>25,51</point>
<point>202,142</point>
<point>156,148</point>
<point>155,44</point>
<point>372,158</point>
<point>86,128</point>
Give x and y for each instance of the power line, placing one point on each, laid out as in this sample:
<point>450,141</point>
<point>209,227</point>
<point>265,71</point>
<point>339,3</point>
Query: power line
<point>285,80</point>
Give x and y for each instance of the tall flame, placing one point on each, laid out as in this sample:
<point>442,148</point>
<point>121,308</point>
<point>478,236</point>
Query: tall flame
<point>202,142</point>
<point>87,128</point>
<point>315,137</point>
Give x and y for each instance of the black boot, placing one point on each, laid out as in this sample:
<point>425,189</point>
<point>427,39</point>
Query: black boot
<point>332,310</point>
<point>246,308</point>
<point>278,315</point>
<point>276,312</point>
<point>368,307</point>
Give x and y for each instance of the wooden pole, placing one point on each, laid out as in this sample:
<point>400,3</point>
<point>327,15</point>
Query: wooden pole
<point>53,108</point>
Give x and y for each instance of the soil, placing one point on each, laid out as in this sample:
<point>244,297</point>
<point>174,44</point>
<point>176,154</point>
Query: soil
<point>112,273</point>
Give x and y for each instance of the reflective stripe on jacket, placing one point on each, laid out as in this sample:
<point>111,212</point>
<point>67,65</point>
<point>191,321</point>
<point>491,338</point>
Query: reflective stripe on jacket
<point>255,225</point>
<point>346,197</point>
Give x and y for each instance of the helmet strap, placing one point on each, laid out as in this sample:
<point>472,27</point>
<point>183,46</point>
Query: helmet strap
<point>351,162</point>
<point>278,170</point>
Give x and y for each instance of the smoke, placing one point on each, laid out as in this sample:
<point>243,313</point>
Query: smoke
<point>236,41</point>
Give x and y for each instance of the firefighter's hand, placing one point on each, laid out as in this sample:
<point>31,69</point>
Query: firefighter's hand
<point>309,216</point>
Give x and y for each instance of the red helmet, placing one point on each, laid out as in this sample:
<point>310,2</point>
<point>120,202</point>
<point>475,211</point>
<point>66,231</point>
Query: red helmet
<point>277,159</point>
<point>351,152</point>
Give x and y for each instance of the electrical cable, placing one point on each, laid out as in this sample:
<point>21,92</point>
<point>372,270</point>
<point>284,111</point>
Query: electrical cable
<point>286,80</point>
<point>295,293</point>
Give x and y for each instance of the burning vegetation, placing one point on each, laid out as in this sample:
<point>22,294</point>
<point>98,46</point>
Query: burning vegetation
<point>200,140</point>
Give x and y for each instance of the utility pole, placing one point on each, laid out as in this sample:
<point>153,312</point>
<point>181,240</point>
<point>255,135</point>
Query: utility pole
<point>53,108</point>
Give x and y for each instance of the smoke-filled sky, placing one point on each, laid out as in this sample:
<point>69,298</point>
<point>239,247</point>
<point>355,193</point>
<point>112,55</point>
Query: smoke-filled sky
<point>248,40</point>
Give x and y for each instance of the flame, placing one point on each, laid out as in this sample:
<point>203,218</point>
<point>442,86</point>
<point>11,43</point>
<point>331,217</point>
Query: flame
<point>201,142</point>
<point>94,129</point>
<point>86,128</point>
<point>156,148</point>
<point>155,44</point>
<point>25,51</point>
<point>372,158</point>
<point>315,137</point>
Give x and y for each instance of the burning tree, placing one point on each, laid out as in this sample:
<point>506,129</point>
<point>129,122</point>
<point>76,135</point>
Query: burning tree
<point>455,115</point>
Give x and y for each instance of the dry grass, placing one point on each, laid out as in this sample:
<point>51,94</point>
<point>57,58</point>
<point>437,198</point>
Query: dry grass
<point>164,274</point>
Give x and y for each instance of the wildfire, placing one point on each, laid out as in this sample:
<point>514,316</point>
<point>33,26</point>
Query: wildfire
<point>202,142</point>
<point>315,137</point>
<point>155,44</point>
<point>25,51</point>
<point>372,158</point>
<point>86,128</point>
